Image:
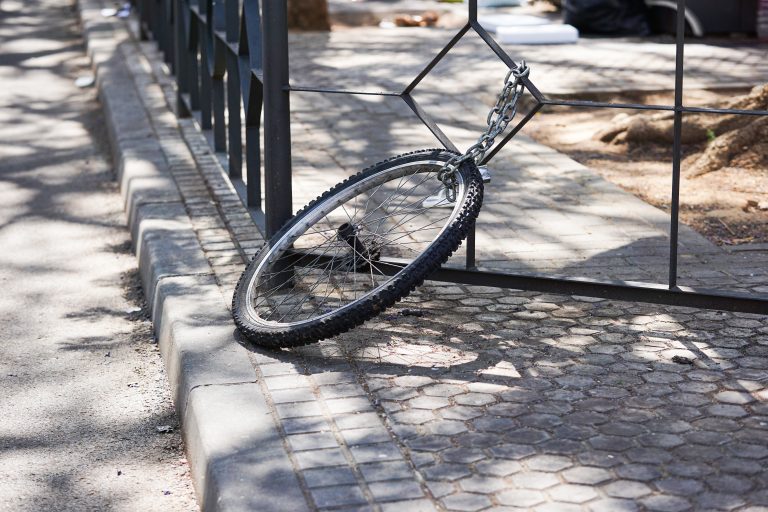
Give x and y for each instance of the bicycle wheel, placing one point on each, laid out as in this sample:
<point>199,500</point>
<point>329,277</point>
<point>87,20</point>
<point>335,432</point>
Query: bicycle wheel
<point>356,250</point>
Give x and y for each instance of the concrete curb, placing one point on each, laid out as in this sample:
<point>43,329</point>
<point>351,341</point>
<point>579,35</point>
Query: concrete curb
<point>235,451</point>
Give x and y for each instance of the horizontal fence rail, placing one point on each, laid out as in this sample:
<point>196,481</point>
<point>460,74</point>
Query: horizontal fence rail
<point>230,59</point>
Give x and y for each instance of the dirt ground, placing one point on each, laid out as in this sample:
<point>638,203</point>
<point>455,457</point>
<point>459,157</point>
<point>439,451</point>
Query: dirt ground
<point>720,205</point>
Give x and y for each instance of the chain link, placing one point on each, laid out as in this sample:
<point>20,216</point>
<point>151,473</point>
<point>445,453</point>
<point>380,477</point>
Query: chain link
<point>498,118</point>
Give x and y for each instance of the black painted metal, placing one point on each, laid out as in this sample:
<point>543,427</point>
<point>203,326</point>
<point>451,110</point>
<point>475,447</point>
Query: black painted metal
<point>619,290</point>
<point>677,150</point>
<point>278,205</point>
<point>225,57</point>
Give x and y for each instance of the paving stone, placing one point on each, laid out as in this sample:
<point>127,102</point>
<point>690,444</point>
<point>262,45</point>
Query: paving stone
<point>561,447</point>
<point>740,466</point>
<point>461,413</point>
<point>330,377</point>
<point>444,390</point>
<point>340,495</point>
<point>494,424</point>
<point>464,501</point>
<point>324,477</point>
<point>572,493</point>
<point>586,475</point>
<point>600,459</point>
<point>429,443</point>
<point>409,505</point>
<point>474,399</point>
<point>751,451</point>
<point>640,472</point>
<point>729,411</point>
<point>626,489</point>
<point>681,486</point>
<point>520,497</point>
<point>719,501</point>
<point>611,443</point>
<point>446,427</point>
<point>287,382</point>
<point>447,472</point>
<point>512,451</point>
<point>734,397</point>
<point>534,480</point>
<point>312,441</point>
<point>483,484</point>
<point>548,463</point>
<point>320,458</point>
<point>527,436</point>
<point>545,421</point>
<point>479,439</point>
<point>381,471</point>
<point>393,490</point>
<point>414,416</point>
<point>465,455</point>
<point>375,452</point>
<point>649,455</point>
<point>729,484</point>
<point>292,395</point>
<point>662,503</point>
<point>577,433</point>
<point>428,402</point>
<point>506,409</point>
<point>440,489</point>
<point>620,428</point>
<point>396,393</point>
<point>707,438</point>
<point>661,440</point>
<point>298,410</point>
<point>557,507</point>
<point>302,425</point>
<point>499,467</point>
<point>612,505</point>
<point>359,436</point>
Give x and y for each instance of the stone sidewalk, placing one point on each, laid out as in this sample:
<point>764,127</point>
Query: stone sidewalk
<point>461,398</point>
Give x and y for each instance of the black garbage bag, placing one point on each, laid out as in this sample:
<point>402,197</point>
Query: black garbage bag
<point>608,17</point>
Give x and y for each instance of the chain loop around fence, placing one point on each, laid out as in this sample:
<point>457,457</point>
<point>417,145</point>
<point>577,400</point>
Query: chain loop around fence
<point>498,118</point>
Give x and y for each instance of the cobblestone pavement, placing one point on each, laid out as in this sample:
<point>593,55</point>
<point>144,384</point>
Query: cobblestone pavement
<point>466,398</point>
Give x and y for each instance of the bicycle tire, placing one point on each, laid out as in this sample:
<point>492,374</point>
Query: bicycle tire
<point>273,269</point>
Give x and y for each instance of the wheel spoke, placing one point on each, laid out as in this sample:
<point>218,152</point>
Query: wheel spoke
<point>332,260</point>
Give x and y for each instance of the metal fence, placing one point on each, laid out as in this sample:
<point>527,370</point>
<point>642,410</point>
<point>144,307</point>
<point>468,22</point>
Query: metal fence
<point>228,54</point>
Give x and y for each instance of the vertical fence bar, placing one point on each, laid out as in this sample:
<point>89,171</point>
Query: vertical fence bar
<point>470,262</point>
<point>278,206</point>
<point>194,75</point>
<point>170,54</point>
<point>181,68</point>
<point>217,69</point>
<point>234,124</point>
<point>143,6</point>
<point>206,82</point>
<point>677,145</point>
<point>472,11</point>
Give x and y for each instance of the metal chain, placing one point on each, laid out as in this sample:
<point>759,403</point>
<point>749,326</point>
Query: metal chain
<point>498,118</point>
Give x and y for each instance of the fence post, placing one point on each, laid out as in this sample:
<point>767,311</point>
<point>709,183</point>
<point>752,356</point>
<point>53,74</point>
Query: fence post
<point>278,200</point>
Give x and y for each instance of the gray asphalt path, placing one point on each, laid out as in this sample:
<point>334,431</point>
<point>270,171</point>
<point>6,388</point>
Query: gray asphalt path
<point>82,389</point>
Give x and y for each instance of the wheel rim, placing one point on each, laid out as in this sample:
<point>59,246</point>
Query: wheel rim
<point>335,256</point>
